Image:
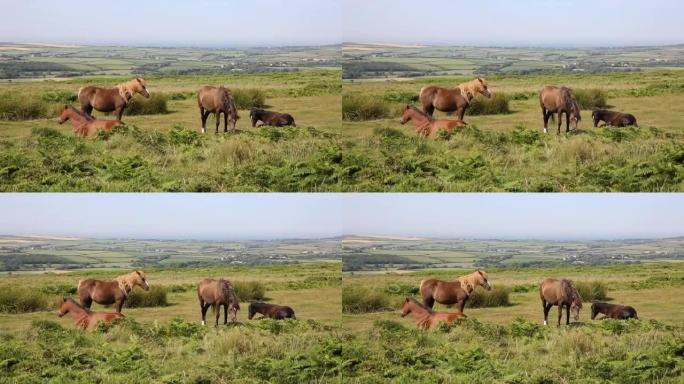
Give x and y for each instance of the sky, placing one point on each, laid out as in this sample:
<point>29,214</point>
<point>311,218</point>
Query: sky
<point>515,22</point>
<point>213,23</point>
<point>551,216</point>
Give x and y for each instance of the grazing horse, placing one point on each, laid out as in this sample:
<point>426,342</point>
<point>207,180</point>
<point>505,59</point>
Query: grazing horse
<point>613,311</point>
<point>559,100</point>
<point>616,119</point>
<point>217,293</point>
<point>452,292</point>
<point>270,118</point>
<point>273,311</point>
<point>452,99</point>
<point>84,318</point>
<point>111,99</point>
<point>110,292</point>
<point>426,318</point>
<point>425,125</point>
<point>85,125</point>
<point>563,294</point>
<point>217,100</point>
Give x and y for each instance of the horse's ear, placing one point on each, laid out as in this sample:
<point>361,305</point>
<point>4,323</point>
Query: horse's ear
<point>66,106</point>
<point>64,299</point>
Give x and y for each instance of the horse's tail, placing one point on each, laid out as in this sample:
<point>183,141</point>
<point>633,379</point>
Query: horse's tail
<point>422,91</point>
<point>78,287</point>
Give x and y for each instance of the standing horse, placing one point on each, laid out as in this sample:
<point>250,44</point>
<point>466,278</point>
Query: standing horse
<point>559,100</point>
<point>83,318</point>
<point>111,99</point>
<point>452,99</point>
<point>616,119</point>
<point>217,293</point>
<point>217,100</point>
<point>110,292</point>
<point>613,311</point>
<point>426,318</point>
<point>563,294</point>
<point>452,292</point>
<point>425,125</point>
<point>274,119</point>
<point>273,311</point>
<point>85,125</point>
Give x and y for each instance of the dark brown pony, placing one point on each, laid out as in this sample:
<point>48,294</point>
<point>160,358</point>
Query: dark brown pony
<point>616,119</point>
<point>85,125</point>
<point>563,294</point>
<point>111,99</point>
<point>613,311</point>
<point>110,292</point>
<point>216,293</point>
<point>425,125</point>
<point>559,100</point>
<point>452,292</point>
<point>426,318</point>
<point>452,99</point>
<point>274,119</point>
<point>273,311</point>
<point>217,100</point>
<point>84,318</point>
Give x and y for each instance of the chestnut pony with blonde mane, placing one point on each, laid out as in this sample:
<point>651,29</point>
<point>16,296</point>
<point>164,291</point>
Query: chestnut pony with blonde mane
<point>426,318</point>
<point>452,99</point>
<point>452,292</point>
<point>111,99</point>
<point>84,318</point>
<point>110,292</point>
<point>562,293</point>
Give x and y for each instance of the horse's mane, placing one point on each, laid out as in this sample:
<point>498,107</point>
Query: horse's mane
<point>469,280</point>
<point>570,291</point>
<point>412,107</point>
<point>468,89</point>
<point>229,292</point>
<point>74,302</point>
<point>129,88</point>
<point>127,282</point>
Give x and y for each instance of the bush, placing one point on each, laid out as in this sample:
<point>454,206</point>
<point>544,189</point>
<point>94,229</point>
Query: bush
<point>495,105</point>
<point>21,300</point>
<point>59,97</point>
<point>401,97</point>
<point>249,98</point>
<point>154,105</point>
<point>592,290</point>
<point>356,299</point>
<point>180,135</point>
<point>249,290</point>
<point>155,297</point>
<point>402,289</point>
<point>59,289</point>
<point>357,107</point>
<point>18,106</point>
<point>591,98</point>
<point>496,297</point>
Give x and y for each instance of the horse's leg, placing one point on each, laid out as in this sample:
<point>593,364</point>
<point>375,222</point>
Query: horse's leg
<point>560,313</point>
<point>217,115</point>
<point>119,113</point>
<point>428,300</point>
<point>547,115</point>
<point>461,304</point>
<point>461,112</point>
<point>86,300</point>
<point>429,109</point>
<point>217,311</point>
<point>225,122</point>
<point>567,314</point>
<point>560,122</point>
<point>203,115</point>
<point>547,308</point>
<point>87,109</point>
<point>204,307</point>
<point>225,314</point>
<point>567,122</point>
<point>119,305</point>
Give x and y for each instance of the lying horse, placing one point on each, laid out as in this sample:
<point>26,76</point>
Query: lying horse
<point>613,311</point>
<point>426,318</point>
<point>425,125</point>
<point>616,119</point>
<point>452,292</point>
<point>217,293</point>
<point>111,99</point>
<point>110,292</point>
<point>454,99</point>
<point>85,125</point>
<point>217,100</point>
<point>563,294</point>
<point>559,100</point>
<point>274,119</point>
<point>273,311</point>
<point>83,318</point>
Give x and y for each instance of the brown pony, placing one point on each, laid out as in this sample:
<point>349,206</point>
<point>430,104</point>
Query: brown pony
<point>84,318</point>
<point>111,99</point>
<point>216,293</point>
<point>452,292</point>
<point>425,125</point>
<point>217,100</point>
<point>613,311</point>
<point>85,125</point>
<point>616,119</point>
<point>273,311</point>
<point>271,118</point>
<point>563,294</point>
<point>426,318</point>
<point>559,100</point>
<point>110,292</point>
<point>454,99</point>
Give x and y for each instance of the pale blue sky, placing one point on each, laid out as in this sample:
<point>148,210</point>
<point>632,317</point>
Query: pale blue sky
<point>222,23</point>
<point>267,216</point>
<point>516,22</point>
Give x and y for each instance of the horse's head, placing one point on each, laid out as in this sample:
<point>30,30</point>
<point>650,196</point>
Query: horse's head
<point>483,87</point>
<point>64,307</point>
<point>406,115</point>
<point>251,311</point>
<point>595,117</point>
<point>481,279</point>
<point>141,87</point>
<point>140,280</point>
<point>575,116</point>
<point>64,116</point>
<point>576,306</point>
<point>406,307</point>
<point>233,309</point>
<point>594,310</point>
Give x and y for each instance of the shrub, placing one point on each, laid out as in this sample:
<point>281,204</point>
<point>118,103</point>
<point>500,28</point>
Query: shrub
<point>154,105</point>
<point>155,297</point>
<point>402,97</point>
<point>591,98</point>
<point>525,328</point>
<point>59,289</point>
<point>21,300</point>
<point>402,289</point>
<point>495,105</point>
<point>18,106</point>
<point>357,107</point>
<point>179,135</point>
<point>356,299</point>
<point>60,97</point>
<point>249,98</point>
<point>522,135</point>
<point>592,290</point>
<point>249,290</point>
<point>496,297</point>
